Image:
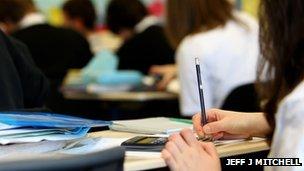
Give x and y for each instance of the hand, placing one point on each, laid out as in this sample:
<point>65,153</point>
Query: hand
<point>231,125</point>
<point>183,152</point>
<point>167,71</point>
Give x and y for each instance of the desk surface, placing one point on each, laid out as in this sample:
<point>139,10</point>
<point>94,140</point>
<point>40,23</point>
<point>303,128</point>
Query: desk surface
<point>133,163</point>
<point>74,75</point>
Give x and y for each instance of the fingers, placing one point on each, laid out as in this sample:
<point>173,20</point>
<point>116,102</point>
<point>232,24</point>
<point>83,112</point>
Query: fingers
<point>178,141</point>
<point>169,160</point>
<point>218,136</point>
<point>215,127</point>
<point>212,116</point>
<point>164,83</point>
<point>173,150</point>
<point>210,149</point>
<point>189,137</point>
<point>155,69</point>
<point>196,119</point>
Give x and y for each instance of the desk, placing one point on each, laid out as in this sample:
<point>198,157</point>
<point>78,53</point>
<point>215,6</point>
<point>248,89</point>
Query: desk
<point>74,75</point>
<point>133,163</point>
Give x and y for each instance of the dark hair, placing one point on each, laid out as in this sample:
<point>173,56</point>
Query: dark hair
<point>282,48</point>
<point>11,11</point>
<point>123,14</point>
<point>83,9</point>
<point>186,17</point>
<point>28,5</point>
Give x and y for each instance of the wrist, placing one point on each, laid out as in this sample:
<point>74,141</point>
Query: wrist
<point>259,125</point>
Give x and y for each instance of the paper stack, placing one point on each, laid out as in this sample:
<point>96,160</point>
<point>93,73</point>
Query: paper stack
<point>158,125</point>
<point>24,127</point>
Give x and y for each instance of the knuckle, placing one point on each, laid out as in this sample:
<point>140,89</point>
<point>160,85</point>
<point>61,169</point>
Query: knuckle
<point>173,137</point>
<point>213,111</point>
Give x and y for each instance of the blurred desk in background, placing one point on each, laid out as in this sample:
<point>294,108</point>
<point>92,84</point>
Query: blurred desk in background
<point>117,105</point>
<point>82,93</point>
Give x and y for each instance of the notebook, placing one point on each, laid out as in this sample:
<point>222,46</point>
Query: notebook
<point>158,125</point>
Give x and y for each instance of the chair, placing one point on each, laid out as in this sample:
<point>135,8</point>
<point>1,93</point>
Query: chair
<point>243,99</point>
<point>111,160</point>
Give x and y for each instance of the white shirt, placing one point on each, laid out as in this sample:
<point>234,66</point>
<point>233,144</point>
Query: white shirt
<point>228,57</point>
<point>288,139</point>
<point>146,22</point>
<point>32,19</point>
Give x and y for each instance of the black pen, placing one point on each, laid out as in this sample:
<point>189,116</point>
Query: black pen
<point>201,92</point>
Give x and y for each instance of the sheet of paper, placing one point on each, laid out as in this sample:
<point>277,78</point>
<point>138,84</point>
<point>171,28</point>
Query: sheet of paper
<point>159,125</point>
<point>142,154</point>
<point>232,142</point>
<point>89,145</point>
<point>30,148</point>
<point>5,126</point>
<point>51,136</point>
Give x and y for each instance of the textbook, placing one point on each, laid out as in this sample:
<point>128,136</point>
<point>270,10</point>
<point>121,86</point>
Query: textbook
<point>158,125</point>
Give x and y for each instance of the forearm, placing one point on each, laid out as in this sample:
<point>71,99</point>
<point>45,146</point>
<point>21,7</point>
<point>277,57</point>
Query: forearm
<point>259,126</point>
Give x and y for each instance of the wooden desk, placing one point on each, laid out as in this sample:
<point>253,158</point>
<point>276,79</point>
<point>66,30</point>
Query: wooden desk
<point>74,75</point>
<point>139,163</point>
<point>120,96</point>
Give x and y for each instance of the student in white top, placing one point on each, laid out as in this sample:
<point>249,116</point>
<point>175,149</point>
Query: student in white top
<point>282,47</point>
<point>225,41</point>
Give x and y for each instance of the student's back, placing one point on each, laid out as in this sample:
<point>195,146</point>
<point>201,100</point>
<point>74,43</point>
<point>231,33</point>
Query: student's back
<point>146,49</point>
<point>228,58</point>
<point>145,43</point>
<point>22,85</point>
<point>55,51</point>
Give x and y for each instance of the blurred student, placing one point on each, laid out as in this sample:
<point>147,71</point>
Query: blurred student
<point>282,66</point>
<point>225,41</point>
<point>54,50</point>
<point>80,15</point>
<point>144,41</point>
<point>22,85</point>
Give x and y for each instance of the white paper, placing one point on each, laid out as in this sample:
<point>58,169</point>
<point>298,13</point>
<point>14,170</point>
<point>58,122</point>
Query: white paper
<point>159,125</point>
<point>90,145</point>
<point>40,136</point>
<point>5,126</point>
<point>143,154</point>
<point>31,148</point>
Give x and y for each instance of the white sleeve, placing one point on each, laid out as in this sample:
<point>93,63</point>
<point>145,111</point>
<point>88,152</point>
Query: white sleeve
<point>289,135</point>
<point>189,94</point>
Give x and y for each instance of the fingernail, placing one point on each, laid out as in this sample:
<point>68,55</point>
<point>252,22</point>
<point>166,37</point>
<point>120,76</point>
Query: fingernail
<point>206,129</point>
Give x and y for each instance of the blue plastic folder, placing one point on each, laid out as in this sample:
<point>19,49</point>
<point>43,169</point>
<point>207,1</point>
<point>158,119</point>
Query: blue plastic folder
<point>29,127</point>
<point>51,120</point>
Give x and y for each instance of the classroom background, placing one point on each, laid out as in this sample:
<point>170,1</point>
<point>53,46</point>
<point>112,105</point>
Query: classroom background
<point>51,8</point>
<point>92,81</point>
<point>139,105</point>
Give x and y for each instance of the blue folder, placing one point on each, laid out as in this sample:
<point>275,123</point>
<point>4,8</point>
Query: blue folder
<point>51,120</point>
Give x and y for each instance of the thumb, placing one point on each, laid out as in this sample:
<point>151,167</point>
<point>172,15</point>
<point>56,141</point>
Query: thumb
<point>214,127</point>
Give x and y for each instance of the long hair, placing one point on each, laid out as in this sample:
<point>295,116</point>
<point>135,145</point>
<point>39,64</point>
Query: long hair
<point>281,66</point>
<point>186,17</point>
